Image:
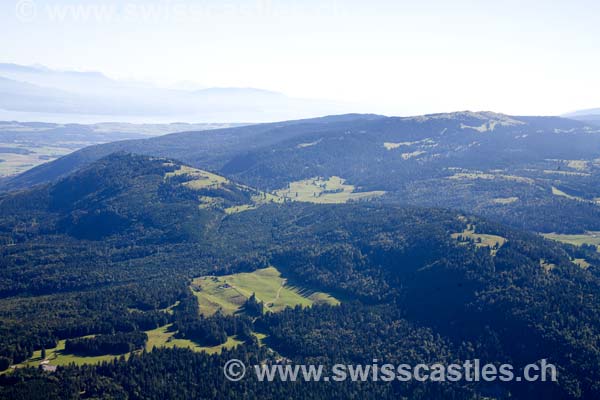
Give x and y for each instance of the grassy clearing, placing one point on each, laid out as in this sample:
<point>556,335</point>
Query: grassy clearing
<point>320,190</point>
<point>229,293</point>
<point>557,192</point>
<point>169,310</point>
<point>428,142</point>
<point>581,262</point>
<point>590,238</point>
<point>164,338</point>
<point>565,173</point>
<point>161,337</point>
<point>392,146</point>
<point>546,265</point>
<point>485,127</point>
<point>310,144</point>
<point>493,242</point>
<point>257,200</point>
<point>260,337</point>
<point>505,200</point>
<point>57,356</point>
<point>408,156</point>
<point>239,209</point>
<point>200,179</point>
<point>481,175</point>
<point>579,165</point>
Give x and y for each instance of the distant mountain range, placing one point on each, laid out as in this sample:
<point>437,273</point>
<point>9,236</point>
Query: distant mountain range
<point>537,173</point>
<point>42,94</point>
<point>591,115</point>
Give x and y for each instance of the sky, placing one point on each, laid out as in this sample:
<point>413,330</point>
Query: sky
<point>383,56</point>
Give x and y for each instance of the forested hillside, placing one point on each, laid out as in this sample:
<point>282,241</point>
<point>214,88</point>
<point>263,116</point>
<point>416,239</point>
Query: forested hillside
<point>535,173</point>
<point>99,260</point>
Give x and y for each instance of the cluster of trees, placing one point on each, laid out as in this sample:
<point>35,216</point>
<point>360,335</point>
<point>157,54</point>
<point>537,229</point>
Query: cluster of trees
<point>117,343</point>
<point>213,330</point>
<point>209,331</point>
<point>253,306</point>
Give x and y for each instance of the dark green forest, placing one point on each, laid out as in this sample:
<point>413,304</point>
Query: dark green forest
<point>110,251</point>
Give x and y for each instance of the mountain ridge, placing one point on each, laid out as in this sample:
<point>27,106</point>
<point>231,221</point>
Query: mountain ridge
<point>90,95</point>
<point>467,161</point>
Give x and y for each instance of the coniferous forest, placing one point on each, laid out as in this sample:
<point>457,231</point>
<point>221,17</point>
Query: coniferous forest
<point>107,254</point>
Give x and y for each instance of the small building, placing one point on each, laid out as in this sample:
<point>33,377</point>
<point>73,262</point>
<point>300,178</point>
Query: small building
<point>48,368</point>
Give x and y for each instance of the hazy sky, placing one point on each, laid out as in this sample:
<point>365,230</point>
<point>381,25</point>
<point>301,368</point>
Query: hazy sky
<point>393,57</point>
